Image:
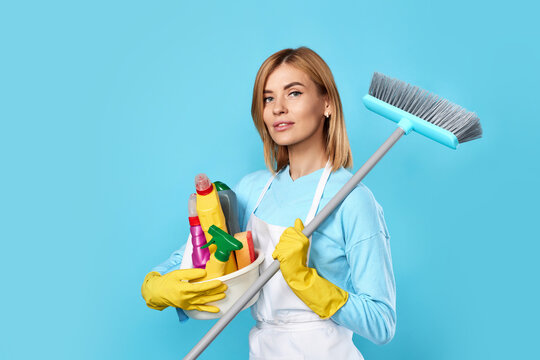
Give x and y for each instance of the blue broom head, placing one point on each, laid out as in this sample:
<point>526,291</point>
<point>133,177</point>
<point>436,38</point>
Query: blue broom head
<point>425,113</point>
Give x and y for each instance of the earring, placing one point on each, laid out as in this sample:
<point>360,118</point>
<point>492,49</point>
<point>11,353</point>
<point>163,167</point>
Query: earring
<point>326,116</point>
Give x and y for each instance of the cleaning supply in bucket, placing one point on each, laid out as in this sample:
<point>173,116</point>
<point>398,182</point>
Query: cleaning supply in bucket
<point>246,255</point>
<point>208,205</point>
<point>210,212</point>
<point>229,205</point>
<point>225,245</point>
<point>200,255</point>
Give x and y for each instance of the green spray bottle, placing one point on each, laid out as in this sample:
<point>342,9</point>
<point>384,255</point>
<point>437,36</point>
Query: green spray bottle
<point>225,243</point>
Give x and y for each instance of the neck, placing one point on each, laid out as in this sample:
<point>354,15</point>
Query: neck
<point>305,158</point>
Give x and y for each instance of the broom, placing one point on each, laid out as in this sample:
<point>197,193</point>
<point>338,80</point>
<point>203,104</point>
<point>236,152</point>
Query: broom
<point>412,109</point>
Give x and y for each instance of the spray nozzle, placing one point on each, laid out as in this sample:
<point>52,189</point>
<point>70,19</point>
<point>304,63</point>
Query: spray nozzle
<point>225,243</point>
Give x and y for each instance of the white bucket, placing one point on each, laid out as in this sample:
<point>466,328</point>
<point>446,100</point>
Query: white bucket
<point>237,284</point>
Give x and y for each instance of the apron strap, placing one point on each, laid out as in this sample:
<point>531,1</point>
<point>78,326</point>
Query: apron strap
<point>318,193</point>
<point>264,192</point>
<point>316,200</point>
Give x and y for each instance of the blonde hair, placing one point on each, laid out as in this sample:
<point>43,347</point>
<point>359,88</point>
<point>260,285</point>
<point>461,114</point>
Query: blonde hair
<point>337,143</point>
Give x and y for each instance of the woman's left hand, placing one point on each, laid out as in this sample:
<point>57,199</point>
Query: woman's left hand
<point>319,294</point>
<point>292,247</point>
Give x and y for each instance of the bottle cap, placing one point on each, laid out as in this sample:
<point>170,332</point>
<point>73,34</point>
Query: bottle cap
<point>203,184</point>
<point>221,186</point>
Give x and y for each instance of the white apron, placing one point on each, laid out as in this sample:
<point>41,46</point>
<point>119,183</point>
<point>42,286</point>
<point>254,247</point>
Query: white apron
<point>286,328</point>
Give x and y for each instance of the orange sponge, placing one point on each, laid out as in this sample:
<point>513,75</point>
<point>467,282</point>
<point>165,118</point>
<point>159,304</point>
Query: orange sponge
<point>246,255</point>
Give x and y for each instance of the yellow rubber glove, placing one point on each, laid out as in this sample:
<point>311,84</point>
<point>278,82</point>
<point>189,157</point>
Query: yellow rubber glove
<point>173,289</point>
<point>319,294</point>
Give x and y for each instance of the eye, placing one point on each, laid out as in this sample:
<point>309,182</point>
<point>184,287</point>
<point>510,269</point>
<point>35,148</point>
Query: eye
<point>295,92</point>
<point>265,100</point>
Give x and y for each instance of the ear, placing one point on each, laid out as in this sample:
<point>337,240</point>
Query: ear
<point>327,105</point>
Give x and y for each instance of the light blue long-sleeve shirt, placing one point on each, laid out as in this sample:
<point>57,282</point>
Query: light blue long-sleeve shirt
<point>350,248</point>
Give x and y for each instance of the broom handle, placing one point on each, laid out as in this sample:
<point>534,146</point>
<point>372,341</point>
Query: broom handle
<point>308,230</point>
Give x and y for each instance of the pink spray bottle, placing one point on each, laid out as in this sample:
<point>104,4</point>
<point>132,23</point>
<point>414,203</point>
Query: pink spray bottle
<point>199,256</point>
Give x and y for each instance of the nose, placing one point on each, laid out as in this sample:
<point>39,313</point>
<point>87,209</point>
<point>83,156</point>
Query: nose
<point>279,106</point>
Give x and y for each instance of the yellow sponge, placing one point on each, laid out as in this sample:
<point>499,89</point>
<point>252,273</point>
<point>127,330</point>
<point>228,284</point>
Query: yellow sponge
<point>246,255</point>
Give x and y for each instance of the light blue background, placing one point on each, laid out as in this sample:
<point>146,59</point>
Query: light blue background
<point>104,107</point>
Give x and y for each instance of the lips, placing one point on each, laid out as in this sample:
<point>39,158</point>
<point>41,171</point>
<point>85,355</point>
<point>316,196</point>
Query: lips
<point>282,125</point>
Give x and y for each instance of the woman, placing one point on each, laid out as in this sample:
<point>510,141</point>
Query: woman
<point>338,283</point>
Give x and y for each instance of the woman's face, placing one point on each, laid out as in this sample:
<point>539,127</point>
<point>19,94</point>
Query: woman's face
<point>293,108</point>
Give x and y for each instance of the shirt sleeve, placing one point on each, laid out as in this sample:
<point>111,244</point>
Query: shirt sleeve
<point>173,263</point>
<point>370,308</point>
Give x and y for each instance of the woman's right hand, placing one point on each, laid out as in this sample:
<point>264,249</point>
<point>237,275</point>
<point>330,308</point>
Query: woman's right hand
<point>174,289</point>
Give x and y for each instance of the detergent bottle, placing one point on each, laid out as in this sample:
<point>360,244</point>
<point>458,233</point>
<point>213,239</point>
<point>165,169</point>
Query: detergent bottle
<point>210,212</point>
<point>200,255</point>
<point>225,245</point>
<point>229,205</point>
<point>208,205</point>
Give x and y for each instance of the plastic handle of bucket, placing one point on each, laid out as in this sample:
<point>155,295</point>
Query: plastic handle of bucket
<point>308,230</point>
